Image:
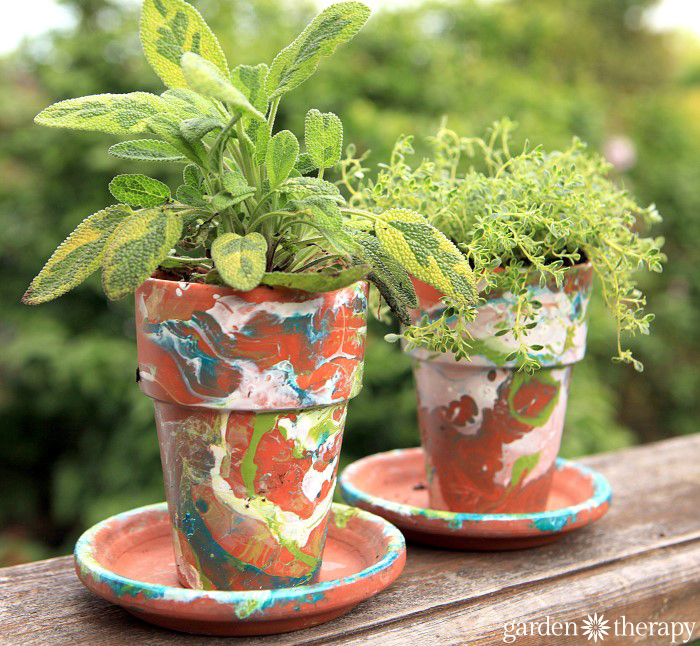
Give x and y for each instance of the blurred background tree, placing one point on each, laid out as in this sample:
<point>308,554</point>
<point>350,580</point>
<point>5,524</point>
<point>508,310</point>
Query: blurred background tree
<point>78,440</point>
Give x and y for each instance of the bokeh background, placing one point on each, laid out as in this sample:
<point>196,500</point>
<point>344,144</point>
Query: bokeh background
<point>77,439</point>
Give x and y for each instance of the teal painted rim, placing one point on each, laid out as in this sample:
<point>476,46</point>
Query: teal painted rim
<point>246,602</point>
<point>550,521</point>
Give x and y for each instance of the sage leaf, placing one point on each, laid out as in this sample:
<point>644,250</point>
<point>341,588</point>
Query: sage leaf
<point>301,187</point>
<point>139,190</point>
<point>240,260</point>
<point>190,195</point>
<point>136,249</point>
<point>146,150</point>
<point>299,60</point>
<point>187,104</point>
<point>204,77</point>
<point>192,176</point>
<point>250,80</point>
<point>387,270</point>
<point>323,136</point>
<point>77,257</point>
<point>118,114</point>
<point>282,151</point>
<point>236,184</point>
<point>169,28</point>
<point>304,164</point>
<point>321,281</point>
<point>197,128</point>
<point>426,253</point>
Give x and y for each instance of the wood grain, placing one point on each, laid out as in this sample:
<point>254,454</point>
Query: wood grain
<point>641,561</point>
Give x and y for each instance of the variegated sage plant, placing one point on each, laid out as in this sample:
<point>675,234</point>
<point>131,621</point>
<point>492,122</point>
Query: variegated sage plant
<point>253,208</point>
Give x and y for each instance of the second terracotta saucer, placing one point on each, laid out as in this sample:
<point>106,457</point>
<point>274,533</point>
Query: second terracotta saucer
<point>128,559</point>
<point>392,485</point>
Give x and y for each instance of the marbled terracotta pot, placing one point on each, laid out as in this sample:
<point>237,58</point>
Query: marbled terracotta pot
<point>491,433</point>
<point>250,392</point>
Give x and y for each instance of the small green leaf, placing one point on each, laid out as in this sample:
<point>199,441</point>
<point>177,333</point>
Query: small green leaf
<point>204,77</point>
<point>169,28</point>
<point>299,60</point>
<point>190,195</point>
<point>236,184</point>
<point>192,176</point>
<point>224,200</point>
<point>426,253</point>
<point>250,80</point>
<point>146,150</point>
<point>77,257</point>
<point>136,249</point>
<point>281,154</point>
<point>259,134</point>
<point>323,136</point>
<point>139,190</point>
<point>197,128</point>
<point>327,218</point>
<point>240,259</point>
<point>301,187</point>
<point>325,281</point>
<point>305,164</point>
<point>118,114</point>
<point>167,126</point>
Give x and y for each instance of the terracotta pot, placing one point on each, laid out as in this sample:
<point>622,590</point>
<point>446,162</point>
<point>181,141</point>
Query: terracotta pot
<point>250,392</point>
<point>491,433</point>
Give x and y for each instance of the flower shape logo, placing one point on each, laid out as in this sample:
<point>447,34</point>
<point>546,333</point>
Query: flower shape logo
<point>595,627</point>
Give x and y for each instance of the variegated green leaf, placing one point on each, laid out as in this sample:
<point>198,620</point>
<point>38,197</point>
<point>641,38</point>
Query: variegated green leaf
<point>388,271</point>
<point>167,126</point>
<point>204,77</point>
<point>118,114</point>
<point>187,104</point>
<point>136,249</point>
<point>250,80</point>
<point>196,129</point>
<point>426,253</point>
<point>323,136</point>
<point>147,150</point>
<point>169,28</point>
<point>299,60</point>
<point>321,281</point>
<point>397,306</point>
<point>77,257</point>
<point>301,187</point>
<point>281,154</point>
<point>240,260</point>
<point>139,190</point>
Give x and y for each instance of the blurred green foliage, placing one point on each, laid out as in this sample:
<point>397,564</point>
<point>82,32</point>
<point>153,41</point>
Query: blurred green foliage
<point>78,437</point>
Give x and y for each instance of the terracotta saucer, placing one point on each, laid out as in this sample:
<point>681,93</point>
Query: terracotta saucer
<point>128,559</point>
<point>392,484</point>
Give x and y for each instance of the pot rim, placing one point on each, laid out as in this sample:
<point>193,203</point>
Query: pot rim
<point>259,289</point>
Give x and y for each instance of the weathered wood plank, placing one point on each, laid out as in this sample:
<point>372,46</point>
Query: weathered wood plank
<point>643,557</point>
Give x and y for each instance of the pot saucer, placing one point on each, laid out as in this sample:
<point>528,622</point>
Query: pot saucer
<point>128,559</point>
<point>392,485</point>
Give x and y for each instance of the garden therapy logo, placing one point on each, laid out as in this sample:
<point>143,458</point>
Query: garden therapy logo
<point>596,628</point>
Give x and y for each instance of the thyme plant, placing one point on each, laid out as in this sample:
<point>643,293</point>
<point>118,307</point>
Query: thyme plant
<point>253,208</point>
<point>529,215</point>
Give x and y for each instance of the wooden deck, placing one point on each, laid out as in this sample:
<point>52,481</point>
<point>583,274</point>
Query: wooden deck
<point>642,561</point>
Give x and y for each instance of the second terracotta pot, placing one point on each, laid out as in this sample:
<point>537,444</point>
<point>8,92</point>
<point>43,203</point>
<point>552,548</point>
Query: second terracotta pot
<point>491,433</point>
<point>250,392</point>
